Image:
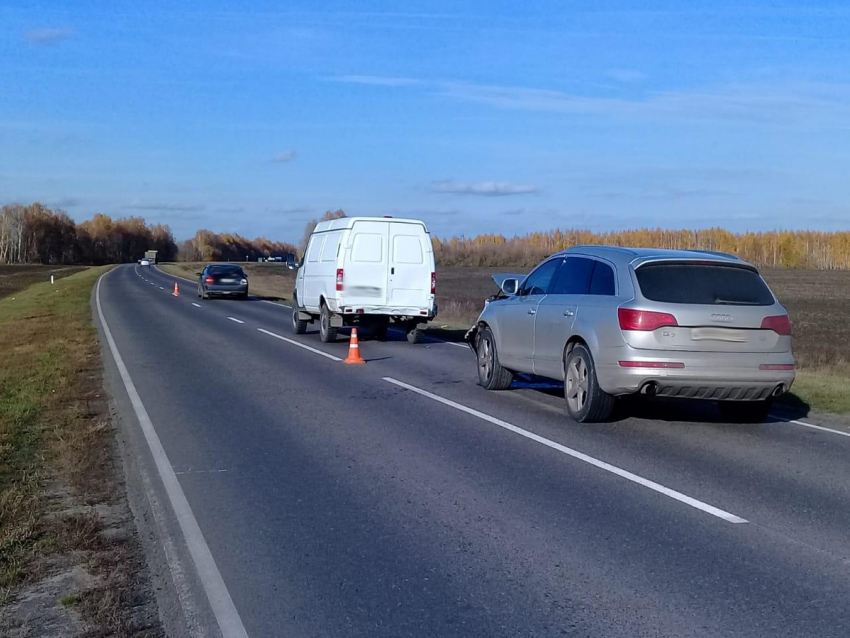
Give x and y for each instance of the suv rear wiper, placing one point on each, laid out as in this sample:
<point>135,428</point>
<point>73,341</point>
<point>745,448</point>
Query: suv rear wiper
<point>729,302</point>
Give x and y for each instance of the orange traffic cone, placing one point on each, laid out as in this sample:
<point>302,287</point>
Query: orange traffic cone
<point>354,350</point>
<point>176,292</point>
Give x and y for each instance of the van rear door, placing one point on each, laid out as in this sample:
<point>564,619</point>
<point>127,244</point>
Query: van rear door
<point>366,265</point>
<point>411,265</point>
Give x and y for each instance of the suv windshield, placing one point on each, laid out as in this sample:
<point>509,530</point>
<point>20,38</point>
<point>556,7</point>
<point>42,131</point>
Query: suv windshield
<point>701,283</point>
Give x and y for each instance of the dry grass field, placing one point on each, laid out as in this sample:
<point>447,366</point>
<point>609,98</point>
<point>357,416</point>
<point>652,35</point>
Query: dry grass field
<point>15,278</point>
<point>817,300</point>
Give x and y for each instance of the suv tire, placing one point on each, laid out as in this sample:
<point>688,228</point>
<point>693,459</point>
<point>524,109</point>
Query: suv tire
<point>491,374</point>
<point>586,401</point>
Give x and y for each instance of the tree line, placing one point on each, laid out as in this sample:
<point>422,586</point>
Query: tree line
<point>209,246</point>
<point>779,249</point>
<point>36,234</point>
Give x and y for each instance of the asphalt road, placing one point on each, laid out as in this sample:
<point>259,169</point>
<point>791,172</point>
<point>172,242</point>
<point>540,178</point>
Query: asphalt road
<point>399,498</point>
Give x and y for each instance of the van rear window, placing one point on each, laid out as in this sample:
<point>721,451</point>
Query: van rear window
<point>701,283</point>
<point>368,248</point>
<point>407,249</point>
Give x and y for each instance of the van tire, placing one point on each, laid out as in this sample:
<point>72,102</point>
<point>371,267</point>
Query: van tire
<point>586,401</point>
<point>299,326</point>
<point>327,332</point>
<point>491,374</point>
<point>415,335</point>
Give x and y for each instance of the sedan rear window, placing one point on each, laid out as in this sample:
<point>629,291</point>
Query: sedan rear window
<point>701,283</point>
<point>234,271</point>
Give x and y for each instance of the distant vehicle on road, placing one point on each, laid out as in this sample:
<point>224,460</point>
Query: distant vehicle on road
<point>366,270</point>
<point>150,255</point>
<point>223,280</point>
<point>611,321</point>
<point>144,262</point>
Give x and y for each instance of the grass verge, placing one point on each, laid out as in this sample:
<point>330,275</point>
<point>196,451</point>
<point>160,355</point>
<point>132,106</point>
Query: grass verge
<point>58,481</point>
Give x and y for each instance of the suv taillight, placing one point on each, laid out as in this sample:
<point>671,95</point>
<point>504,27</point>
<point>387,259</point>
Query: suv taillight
<point>646,320</point>
<point>209,280</point>
<point>433,283</point>
<point>780,324</point>
<point>339,276</point>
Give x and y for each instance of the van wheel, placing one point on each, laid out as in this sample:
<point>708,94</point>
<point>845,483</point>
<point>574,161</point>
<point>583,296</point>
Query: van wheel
<point>415,335</point>
<point>491,374</point>
<point>586,401</point>
<point>299,326</point>
<point>327,332</point>
<point>744,411</point>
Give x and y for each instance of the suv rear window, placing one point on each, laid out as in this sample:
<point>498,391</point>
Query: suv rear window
<point>701,283</point>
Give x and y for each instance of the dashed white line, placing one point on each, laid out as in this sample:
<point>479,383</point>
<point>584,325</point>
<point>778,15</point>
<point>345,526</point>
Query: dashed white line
<point>300,345</point>
<point>236,320</point>
<point>197,305</point>
<point>219,598</point>
<point>602,465</point>
<point>161,288</point>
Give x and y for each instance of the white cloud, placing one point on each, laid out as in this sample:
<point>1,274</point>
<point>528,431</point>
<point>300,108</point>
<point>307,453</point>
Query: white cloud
<point>284,156</point>
<point>485,189</point>
<point>48,36</point>
<point>376,80</point>
<point>802,104</point>
<point>626,75</point>
<point>171,207</point>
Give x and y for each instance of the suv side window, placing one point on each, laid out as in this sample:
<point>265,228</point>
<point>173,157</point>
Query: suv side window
<point>602,282</point>
<point>574,277</point>
<point>540,281</point>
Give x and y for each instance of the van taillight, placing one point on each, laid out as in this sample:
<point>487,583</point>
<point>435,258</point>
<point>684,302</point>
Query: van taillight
<point>339,276</point>
<point>647,320</point>
<point>209,280</point>
<point>780,324</point>
<point>433,283</point>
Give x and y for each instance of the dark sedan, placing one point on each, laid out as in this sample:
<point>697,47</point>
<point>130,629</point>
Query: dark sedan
<point>223,279</point>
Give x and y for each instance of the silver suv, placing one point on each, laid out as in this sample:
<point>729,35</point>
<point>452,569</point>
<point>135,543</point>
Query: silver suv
<point>611,321</point>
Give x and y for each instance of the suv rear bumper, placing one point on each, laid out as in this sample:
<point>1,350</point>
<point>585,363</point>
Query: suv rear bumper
<point>705,375</point>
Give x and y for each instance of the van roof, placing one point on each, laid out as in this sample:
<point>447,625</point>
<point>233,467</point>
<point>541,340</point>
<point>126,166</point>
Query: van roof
<point>348,222</point>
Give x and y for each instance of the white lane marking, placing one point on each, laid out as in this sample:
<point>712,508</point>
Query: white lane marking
<point>816,427</point>
<point>219,598</point>
<point>236,320</point>
<point>459,345</point>
<point>300,345</point>
<point>151,283</point>
<point>161,288</point>
<point>602,465</point>
<point>197,305</point>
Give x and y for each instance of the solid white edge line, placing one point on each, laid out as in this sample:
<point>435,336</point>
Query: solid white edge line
<point>236,320</point>
<point>816,427</point>
<point>197,305</point>
<point>300,345</point>
<point>219,598</point>
<point>666,491</point>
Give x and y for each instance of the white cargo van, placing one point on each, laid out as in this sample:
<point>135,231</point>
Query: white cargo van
<point>366,270</point>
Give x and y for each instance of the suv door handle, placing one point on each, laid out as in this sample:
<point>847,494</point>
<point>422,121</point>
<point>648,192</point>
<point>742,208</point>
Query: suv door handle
<point>569,313</point>
<point>532,312</point>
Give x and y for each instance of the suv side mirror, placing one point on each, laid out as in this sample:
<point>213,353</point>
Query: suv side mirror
<point>509,286</point>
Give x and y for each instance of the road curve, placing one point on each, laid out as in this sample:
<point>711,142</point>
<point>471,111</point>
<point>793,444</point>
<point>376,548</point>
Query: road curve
<point>401,499</point>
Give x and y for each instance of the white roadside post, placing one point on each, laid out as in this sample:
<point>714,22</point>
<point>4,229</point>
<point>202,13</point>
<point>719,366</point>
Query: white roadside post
<point>51,280</point>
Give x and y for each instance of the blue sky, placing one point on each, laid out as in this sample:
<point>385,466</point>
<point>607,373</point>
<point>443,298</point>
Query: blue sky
<point>474,116</point>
